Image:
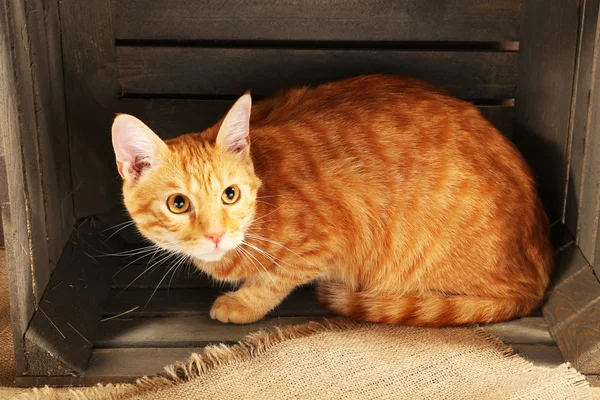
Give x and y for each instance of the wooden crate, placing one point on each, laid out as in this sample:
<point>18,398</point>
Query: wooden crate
<point>67,66</point>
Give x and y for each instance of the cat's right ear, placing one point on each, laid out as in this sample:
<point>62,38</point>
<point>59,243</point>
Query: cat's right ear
<point>234,133</point>
<point>136,147</point>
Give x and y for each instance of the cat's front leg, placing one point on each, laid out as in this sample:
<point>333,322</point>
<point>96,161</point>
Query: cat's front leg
<point>255,298</point>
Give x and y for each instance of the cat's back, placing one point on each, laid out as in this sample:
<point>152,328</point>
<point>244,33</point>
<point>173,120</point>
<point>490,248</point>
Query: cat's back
<point>354,96</point>
<point>377,122</point>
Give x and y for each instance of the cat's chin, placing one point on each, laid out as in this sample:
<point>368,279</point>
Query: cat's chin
<point>213,256</point>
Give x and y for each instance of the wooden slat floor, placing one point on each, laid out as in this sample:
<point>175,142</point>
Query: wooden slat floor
<point>175,323</point>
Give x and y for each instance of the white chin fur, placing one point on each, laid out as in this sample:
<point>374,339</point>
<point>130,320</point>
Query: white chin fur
<point>216,255</point>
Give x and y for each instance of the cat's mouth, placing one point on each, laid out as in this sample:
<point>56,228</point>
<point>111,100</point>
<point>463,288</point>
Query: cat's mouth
<point>209,255</point>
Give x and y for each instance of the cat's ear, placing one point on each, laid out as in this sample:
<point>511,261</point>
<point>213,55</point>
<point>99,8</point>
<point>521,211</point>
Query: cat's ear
<point>234,134</point>
<point>136,147</point>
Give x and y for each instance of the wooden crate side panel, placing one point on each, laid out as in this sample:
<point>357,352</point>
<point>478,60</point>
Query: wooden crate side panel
<point>572,311</point>
<point>382,20</point>
<point>53,139</point>
<point>37,211</point>
<point>91,92</point>
<point>24,71</point>
<point>543,96</point>
<point>583,201</point>
<point>231,71</point>
<point>59,338</point>
<point>582,112</point>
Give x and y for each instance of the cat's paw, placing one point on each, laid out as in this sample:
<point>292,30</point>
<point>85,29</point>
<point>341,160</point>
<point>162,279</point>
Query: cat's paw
<point>229,308</point>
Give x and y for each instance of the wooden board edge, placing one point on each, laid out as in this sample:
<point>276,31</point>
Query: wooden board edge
<point>59,338</point>
<point>91,91</point>
<point>22,202</point>
<point>547,49</point>
<point>572,310</point>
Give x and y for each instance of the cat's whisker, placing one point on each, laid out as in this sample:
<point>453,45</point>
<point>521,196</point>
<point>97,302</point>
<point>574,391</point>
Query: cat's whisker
<point>128,253</point>
<point>266,215</point>
<point>264,202</point>
<point>128,222</point>
<point>181,262</point>
<point>119,230</point>
<point>137,259</point>
<point>259,237</point>
<point>267,255</point>
<point>255,266</point>
<point>158,262</point>
<point>266,197</point>
<point>160,282</point>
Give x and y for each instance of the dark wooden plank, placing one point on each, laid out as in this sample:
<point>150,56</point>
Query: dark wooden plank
<point>14,218</point>
<point>501,117</point>
<point>148,273</point>
<point>172,117</point>
<point>53,140</point>
<point>573,311</point>
<point>37,219</point>
<point>582,112</point>
<point>136,362</point>
<point>195,331</point>
<point>384,20</point>
<point>584,186</point>
<point>528,330</point>
<point>232,71</point>
<point>193,302</point>
<point>540,355</point>
<point>543,97</point>
<point>560,236</point>
<point>59,338</point>
<point>91,91</point>
<point>198,331</point>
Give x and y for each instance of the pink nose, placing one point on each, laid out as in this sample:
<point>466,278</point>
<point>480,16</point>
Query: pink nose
<point>215,237</point>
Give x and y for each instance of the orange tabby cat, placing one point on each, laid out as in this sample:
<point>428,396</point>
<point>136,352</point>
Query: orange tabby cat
<point>402,202</point>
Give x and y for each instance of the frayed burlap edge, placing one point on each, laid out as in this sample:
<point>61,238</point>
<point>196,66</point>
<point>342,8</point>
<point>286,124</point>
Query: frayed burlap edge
<point>252,346</point>
<point>212,357</point>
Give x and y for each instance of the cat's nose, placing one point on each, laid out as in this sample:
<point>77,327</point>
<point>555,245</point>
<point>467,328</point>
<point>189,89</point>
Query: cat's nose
<point>215,237</point>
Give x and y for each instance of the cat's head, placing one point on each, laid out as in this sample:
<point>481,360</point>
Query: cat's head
<point>195,194</point>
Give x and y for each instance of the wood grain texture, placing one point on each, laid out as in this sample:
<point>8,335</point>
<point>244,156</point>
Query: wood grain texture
<point>232,71</point>
<point>171,117</point>
<point>585,149</point>
<point>197,331</point>
<point>91,92</point>
<point>540,355</point>
<point>581,118</point>
<point>53,138</point>
<point>59,338</point>
<point>193,302</point>
<point>384,20</point>
<point>573,310</point>
<point>37,215</point>
<point>543,97</point>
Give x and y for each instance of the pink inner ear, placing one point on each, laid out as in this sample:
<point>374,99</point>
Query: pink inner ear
<point>136,146</point>
<point>235,129</point>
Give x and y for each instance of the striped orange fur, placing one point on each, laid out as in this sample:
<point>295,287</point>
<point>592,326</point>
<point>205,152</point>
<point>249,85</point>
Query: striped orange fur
<point>403,203</point>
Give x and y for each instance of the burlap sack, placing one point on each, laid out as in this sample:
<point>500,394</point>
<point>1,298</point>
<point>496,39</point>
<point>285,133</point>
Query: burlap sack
<point>346,360</point>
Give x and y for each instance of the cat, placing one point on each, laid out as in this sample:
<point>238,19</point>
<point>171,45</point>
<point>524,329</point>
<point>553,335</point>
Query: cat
<point>401,202</point>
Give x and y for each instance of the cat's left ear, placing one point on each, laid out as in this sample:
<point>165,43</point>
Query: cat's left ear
<point>234,134</point>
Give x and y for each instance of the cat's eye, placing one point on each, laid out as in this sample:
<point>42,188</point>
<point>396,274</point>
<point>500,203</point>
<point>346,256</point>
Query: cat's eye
<point>178,203</point>
<point>231,194</point>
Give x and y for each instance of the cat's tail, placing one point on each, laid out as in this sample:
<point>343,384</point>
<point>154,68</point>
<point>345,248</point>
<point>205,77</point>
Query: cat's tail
<point>425,310</point>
